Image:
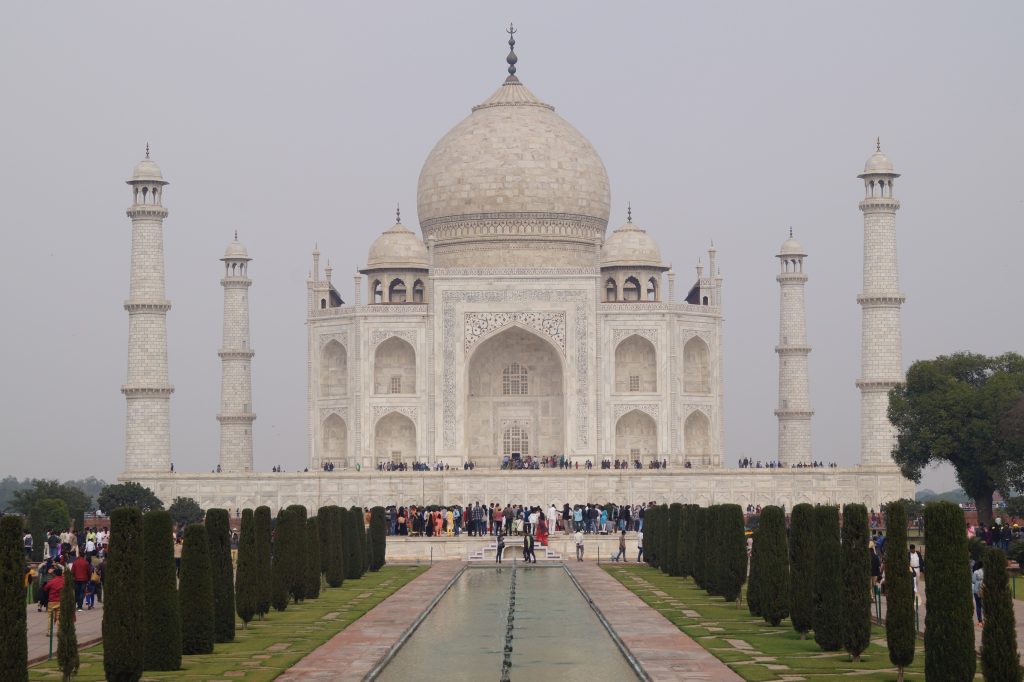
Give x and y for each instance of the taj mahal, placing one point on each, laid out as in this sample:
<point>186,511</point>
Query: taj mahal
<point>514,325</point>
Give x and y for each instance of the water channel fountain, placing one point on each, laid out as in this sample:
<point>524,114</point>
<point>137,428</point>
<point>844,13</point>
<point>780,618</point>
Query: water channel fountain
<point>515,622</point>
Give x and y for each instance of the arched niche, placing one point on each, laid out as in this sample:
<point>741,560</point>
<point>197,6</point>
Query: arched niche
<point>498,396</point>
<point>334,443</point>
<point>333,369</point>
<point>697,438</point>
<point>636,435</point>
<point>636,365</point>
<point>396,291</point>
<point>631,289</point>
<point>696,366</point>
<point>394,438</point>
<point>394,367</point>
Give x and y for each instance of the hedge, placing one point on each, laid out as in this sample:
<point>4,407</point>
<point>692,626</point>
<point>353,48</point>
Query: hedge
<point>263,571</point>
<point>246,578</point>
<point>122,590</point>
<point>284,561</point>
<point>195,592</point>
<point>312,563</point>
<point>732,558</point>
<point>218,538</point>
<point>378,538</point>
<point>67,638</point>
<point>672,534</point>
<point>13,618</point>
<point>773,592</point>
<point>161,625</point>
<point>856,581</point>
<point>999,657</point>
<point>801,562</point>
<point>297,582</point>
<point>335,551</point>
<point>828,579</point>
<point>948,622</point>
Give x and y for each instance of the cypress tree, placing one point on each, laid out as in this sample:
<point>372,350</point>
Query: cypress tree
<point>652,536</point>
<point>685,541</point>
<point>297,582</point>
<point>900,633</point>
<point>700,537</point>
<point>350,546</point>
<point>359,529</point>
<point>378,538</point>
<point>122,589</point>
<point>67,639</point>
<point>801,561</point>
<point>828,588</point>
<point>999,657</point>
<point>13,626</point>
<point>218,538</point>
<point>336,563</point>
<point>283,560</point>
<point>312,558</point>
<point>195,592</point>
<point>161,626</point>
<point>246,578</point>
<point>367,552</point>
<point>675,518</point>
<point>856,581</point>
<point>754,579</point>
<point>263,574</point>
<point>355,538</point>
<point>774,592</point>
<point>948,627</point>
<point>323,527</point>
<point>712,556</point>
<point>733,552</point>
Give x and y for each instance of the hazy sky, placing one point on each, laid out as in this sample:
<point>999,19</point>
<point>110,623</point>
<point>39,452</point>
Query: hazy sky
<point>305,122</point>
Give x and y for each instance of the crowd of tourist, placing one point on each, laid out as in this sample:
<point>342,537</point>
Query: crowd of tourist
<point>748,463</point>
<point>67,556</point>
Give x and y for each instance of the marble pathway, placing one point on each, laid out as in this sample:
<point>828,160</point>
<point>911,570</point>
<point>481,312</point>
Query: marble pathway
<point>353,652</point>
<point>664,651</point>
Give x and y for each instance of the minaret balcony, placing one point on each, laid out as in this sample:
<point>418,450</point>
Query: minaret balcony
<point>879,204</point>
<point>236,354</point>
<point>878,385</point>
<point>794,414</point>
<point>147,306</point>
<point>146,211</point>
<point>147,391</point>
<point>792,349</point>
<point>238,418</point>
<point>881,300</point>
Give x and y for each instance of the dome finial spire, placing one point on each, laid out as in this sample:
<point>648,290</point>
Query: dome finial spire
<point>790,231</point>
<point>398,213</point>
<point>147,150</point>
<point>629,212</point>
<point>511,58</point>
<point>878,144</point>
<point>236,235</point>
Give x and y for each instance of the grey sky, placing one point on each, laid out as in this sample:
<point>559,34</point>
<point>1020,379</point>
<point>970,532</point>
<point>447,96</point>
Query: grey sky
<point>302,122</point>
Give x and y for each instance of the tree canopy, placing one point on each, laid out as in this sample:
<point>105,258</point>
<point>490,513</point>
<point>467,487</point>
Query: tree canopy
<point>130,494</point>
<point>966,409</point>
<point>76,501</point>
<point>185,511</point>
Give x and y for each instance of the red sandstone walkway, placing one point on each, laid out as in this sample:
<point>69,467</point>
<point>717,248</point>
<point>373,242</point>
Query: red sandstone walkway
<point>664,652</point>
<point>88,628</point>
<point>353,652</point>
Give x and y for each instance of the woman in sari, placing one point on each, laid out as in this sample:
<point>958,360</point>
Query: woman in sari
<point>437,523</point>
<point>542,530</point>
<point>450,522</point>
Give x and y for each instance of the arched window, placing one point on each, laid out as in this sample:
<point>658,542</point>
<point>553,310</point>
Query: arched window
<point>396,292</point>
<point>611,291</point>
<point>514,380</point>
<point>333,370</point>
<point>636,365</point>
<point>515,439</point>
<point>652,289</point>
<point>323,303</point>
<point>417,291</point>
<point>378,292</point>
<point>696,366</point>
<point>394,367</point>
<point>631,289</point>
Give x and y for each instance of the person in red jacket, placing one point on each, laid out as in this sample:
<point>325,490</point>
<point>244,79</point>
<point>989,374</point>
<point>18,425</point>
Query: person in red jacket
<point>81,571</point>
<point>53,587</point>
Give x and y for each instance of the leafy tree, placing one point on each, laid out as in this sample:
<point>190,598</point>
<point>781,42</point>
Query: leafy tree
<point>732,559</point>
<point>378,538</point>
<point>774,592</point>
<point>130,494</point>
<point>13,639</point>
<point>801,561</point>
<point>161,631</point>
<point>999,657</point>
<point>195,593</point>
<point>67,638</point>
<point>284,562</point>
<point>856,581</point>
<point>966,409</point>
<point>185,510</point>
<point>47,513</point>
<point>900,628</point>
<point>1015,507</point>
<point>261,524</point>
<point>246,580</point>
<point>297,585</point>
<point>335,552</point>
<point>312,558</point>
<point>76,501</point>
<point>828,587</point>
<point>675,518</point>
<point>912,509</point>
<point>218,538</point>
<point>948,627</point>
<point>122,588</point>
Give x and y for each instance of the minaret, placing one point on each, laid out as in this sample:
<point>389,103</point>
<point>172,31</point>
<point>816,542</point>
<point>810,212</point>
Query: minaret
<point>794,410</point>
<point>236,415</point>
<point>881,344</point>
<point>147,392</point>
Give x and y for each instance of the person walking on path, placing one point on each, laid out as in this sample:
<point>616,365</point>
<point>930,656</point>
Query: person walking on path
<point>81,571</point>
<point>977,578</point>
<point>578,539</point>
<point>501,547</point>
<point>639,546</point>
<point>53,589</point>
<point>27,541</point>
<point>621,554</point>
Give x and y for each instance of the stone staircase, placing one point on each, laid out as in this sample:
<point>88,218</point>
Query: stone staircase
<point>513,548</point>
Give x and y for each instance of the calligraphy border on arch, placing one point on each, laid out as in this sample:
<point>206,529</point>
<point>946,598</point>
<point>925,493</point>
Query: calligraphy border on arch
<point>410,411</point>
<point>449,299</point>
<point>377,336</point>
<point>478,325</point>
<point>650,409</point>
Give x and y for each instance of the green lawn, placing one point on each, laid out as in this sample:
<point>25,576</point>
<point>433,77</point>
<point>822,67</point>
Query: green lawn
<point>755,650</point>
<point>269,647</point>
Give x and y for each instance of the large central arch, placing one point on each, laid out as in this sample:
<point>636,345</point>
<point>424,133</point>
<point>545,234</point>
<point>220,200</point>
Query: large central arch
<point>515,395</point>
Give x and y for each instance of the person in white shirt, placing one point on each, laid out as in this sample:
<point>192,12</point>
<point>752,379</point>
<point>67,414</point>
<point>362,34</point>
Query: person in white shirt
<point>915,568</point>
<point>534,518</point>
<point>578,539</point>
<point>552,519</point>
<point>639,546</point>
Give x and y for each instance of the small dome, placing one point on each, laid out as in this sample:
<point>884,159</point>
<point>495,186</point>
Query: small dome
<point>791,247</point>
<point>879,164</point>
<point>236,251</point>
<point>147,171</point>
<point>397,248</point>
<point>630,245</point>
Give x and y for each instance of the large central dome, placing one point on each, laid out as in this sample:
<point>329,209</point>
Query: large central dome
<point>516,178</point>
